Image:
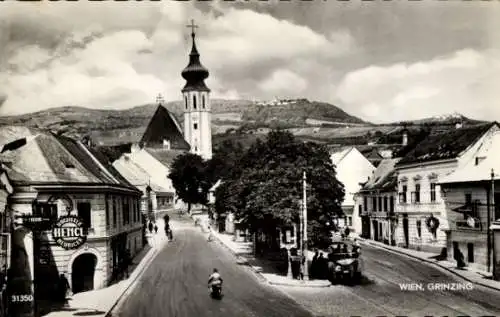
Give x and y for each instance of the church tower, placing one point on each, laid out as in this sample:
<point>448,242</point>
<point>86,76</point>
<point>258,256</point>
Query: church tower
<point>197,113</point>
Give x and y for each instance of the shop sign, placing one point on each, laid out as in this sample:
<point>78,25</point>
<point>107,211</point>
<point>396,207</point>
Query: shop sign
<point>69,232</point>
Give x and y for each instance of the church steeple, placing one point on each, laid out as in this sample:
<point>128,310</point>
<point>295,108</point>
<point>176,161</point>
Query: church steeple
<point>194,73</point>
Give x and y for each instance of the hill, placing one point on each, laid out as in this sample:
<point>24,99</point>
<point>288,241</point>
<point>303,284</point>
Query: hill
<point>226,114</point>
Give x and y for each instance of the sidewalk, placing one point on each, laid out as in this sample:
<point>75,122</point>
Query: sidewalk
<point>101,302</point>
<point>265,268</point>
<point>469,274</point>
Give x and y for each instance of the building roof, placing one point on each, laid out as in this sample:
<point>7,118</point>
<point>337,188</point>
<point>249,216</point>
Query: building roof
<point>384,177</point>
<point>155,123</point>
<point>135,174</point>
<point>195,73</point>
<point>339,155</point>
<point>486,160</point>
<point>446,145</point>
<point>49,158</point>
<point>166,157</point>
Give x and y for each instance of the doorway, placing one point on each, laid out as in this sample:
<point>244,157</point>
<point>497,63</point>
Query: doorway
<point>405,229</point>
<point>82,273</point>
<point>375,230</point>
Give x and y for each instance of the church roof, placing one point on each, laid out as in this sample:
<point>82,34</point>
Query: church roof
<point>195,73</point>
<point>155,124</point>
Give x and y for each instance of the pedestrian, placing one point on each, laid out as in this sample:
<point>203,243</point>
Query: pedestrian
<point>322,267</point>
<point>314,265</point>
<point>156,229</point>
<point>150,227</point>
<point>126,262</point>
<point>62,288</point>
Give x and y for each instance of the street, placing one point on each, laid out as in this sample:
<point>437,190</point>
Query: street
<point>175,285</point>
<point>380,293</point>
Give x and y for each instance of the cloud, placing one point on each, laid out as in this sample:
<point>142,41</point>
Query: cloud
<point>462,82</point>
<point>110,56</point>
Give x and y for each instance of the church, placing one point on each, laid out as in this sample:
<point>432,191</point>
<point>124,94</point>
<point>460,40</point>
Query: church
<point>154,147</point>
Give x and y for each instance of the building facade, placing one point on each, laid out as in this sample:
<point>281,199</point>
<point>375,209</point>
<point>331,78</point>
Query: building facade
<point>352,169</point>
<point>63,182</point>
<point>472,197</point>
<point>421,210</point>
<point>376,203</point>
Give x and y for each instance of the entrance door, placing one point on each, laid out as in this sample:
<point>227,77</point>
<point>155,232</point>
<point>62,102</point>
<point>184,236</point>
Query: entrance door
<point>405,229</point>
<point>83,271</point>
<point>375,230</point>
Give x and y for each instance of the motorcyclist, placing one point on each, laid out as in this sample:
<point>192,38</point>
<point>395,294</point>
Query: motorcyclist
<point>214,279</point>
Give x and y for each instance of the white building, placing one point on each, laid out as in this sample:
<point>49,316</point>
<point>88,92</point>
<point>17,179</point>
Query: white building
<point>470,197</point>
<point>422,217</point>
<point>352,168</point>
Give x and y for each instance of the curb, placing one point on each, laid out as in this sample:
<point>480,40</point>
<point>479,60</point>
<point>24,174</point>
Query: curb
<point>147,261</point>
<point>433,263</point>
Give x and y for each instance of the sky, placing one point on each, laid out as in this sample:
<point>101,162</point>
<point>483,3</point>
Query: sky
<point>381,61</point>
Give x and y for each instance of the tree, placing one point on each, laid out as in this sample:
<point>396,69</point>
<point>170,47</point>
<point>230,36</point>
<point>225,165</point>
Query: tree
<point>189,178</point>
<point>224,160</point>
<point>265,192</point>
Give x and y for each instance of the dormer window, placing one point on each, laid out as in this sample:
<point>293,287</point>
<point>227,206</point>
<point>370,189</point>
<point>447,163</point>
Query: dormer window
<point>166,144</point>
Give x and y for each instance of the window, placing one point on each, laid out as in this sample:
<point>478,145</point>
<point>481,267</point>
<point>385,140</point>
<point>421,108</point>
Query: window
<point>203,101</point>
<point>84,213</point>
<point>195,126</point>
<point>360,209</point>
<point>380,203</point>
<point>419,228</point>
<point>374,202</point>
<point>391,204</point>
<point>365,203</point>
<point>114,212</point>
<point>46,210</point>
<point>402,195</point>
<point>468,199</point>
<point>186,102</point>
<point>433,192</point>
<point>470,252</point>
<point>385,203</point>
<point>106,207</point>
<point>125,211</point>
<point>416,194</point>
<point>349,219</point>
<point>194,102</point>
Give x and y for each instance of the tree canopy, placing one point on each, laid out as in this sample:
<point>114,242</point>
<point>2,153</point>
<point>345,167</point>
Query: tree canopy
<point>189,178</point>
<point>265,189</point>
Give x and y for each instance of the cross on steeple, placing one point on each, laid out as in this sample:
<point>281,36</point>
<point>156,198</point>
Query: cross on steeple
<point>159,99</point>
<point>192,26</point>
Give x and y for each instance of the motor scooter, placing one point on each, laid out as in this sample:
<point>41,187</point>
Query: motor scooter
<point>216,290</point>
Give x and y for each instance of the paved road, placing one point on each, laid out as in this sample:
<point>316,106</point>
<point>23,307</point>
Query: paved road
<point>380,293</point>
<point>175,285</point>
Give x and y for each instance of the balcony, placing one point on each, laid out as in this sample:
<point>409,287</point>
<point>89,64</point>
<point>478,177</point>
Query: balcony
<point>470,225</point>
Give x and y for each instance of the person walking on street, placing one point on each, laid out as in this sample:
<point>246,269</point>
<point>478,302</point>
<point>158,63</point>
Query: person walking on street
<point>126,262</point>
<point>156,229</point>
<point>150,227</point>
<point>63,287</point>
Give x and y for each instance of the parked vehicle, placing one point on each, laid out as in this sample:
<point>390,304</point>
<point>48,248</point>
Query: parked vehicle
<point>347,265</point>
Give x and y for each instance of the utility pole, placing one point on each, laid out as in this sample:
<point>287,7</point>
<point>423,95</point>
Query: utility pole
<point>304,209</point>
<point>491,211</point>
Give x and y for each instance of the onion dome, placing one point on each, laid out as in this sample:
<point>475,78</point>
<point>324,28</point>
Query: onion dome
<point>195,73</point>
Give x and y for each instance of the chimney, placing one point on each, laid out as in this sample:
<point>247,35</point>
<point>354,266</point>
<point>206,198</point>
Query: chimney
<point>405,138</point>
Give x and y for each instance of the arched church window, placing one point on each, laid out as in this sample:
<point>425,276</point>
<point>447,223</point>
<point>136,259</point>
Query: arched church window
<point>186,102</point>
<point>203,101</point>
<point>194,102</point>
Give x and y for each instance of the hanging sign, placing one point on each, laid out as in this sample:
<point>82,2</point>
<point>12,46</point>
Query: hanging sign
<point>69,232</point>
